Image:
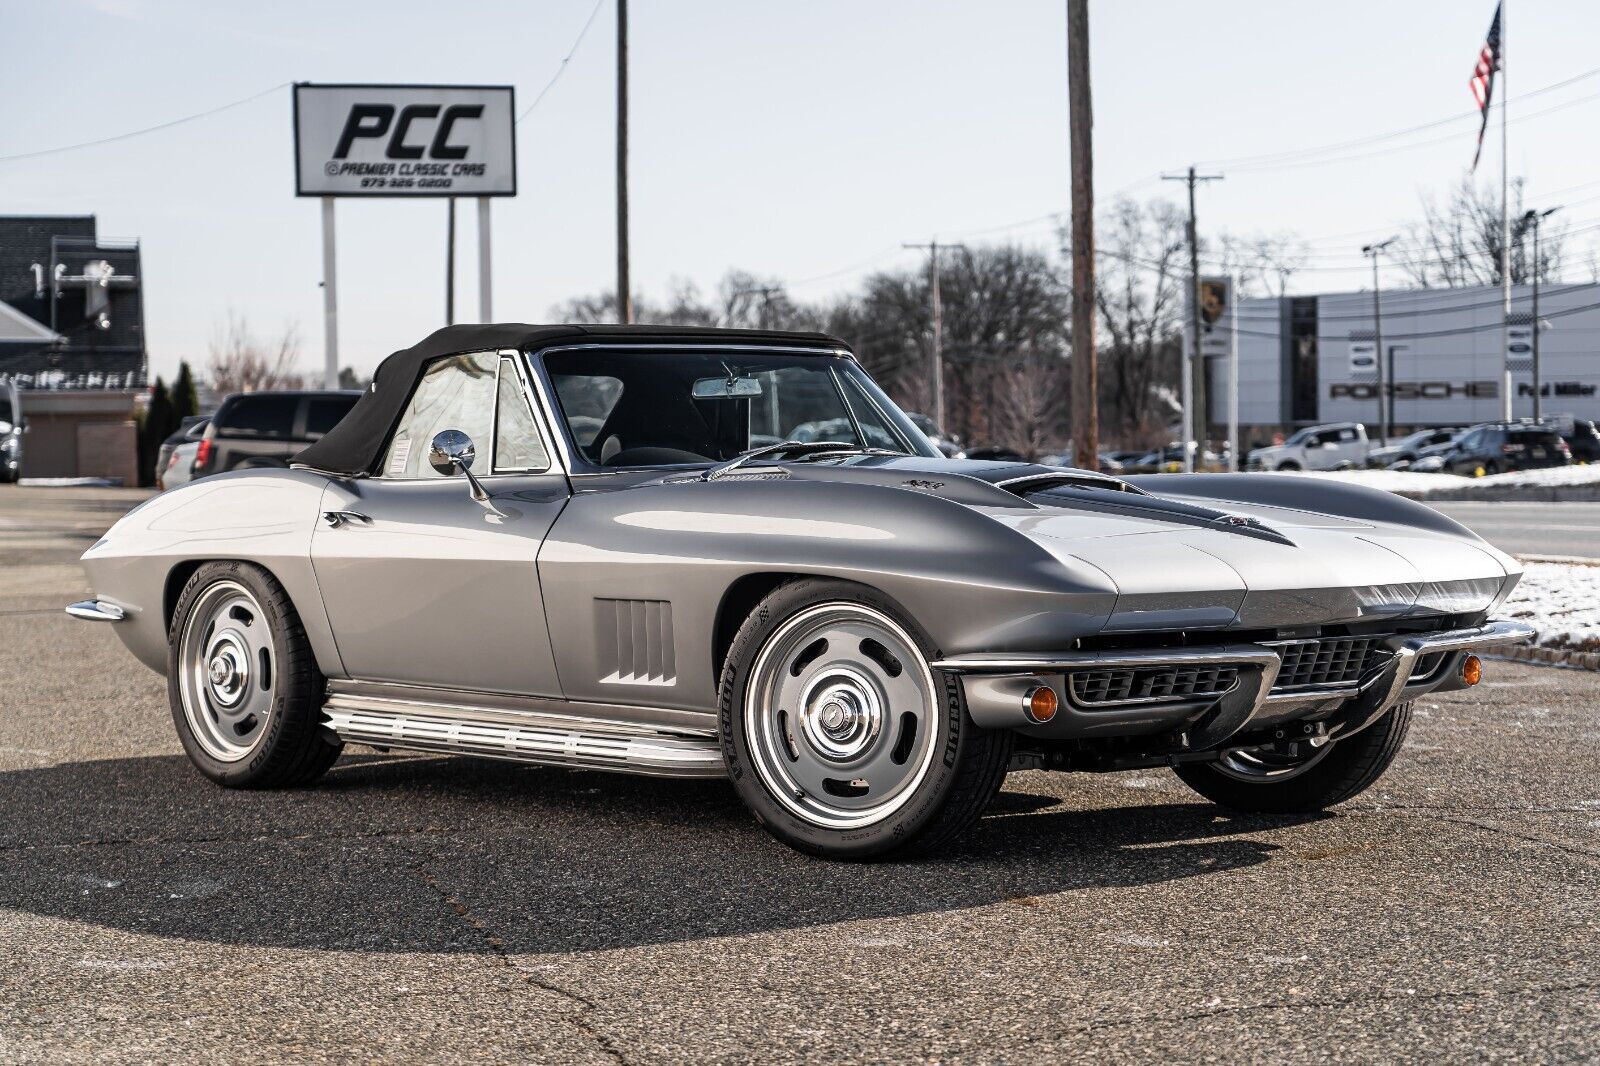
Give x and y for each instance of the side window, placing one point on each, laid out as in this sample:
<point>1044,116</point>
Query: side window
<point>456,392</point>
<point>1347,435</point>
<point>518,445</point>
<point>1471,440</point>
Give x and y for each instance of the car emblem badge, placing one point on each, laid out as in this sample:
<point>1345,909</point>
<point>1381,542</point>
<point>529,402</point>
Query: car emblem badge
<point>918,483</point>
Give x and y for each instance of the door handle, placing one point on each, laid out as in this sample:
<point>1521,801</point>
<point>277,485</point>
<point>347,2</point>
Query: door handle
<point>336,519</point>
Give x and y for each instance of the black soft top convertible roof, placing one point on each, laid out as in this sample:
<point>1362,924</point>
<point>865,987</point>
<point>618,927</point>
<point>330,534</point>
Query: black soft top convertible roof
<point>353,446</point>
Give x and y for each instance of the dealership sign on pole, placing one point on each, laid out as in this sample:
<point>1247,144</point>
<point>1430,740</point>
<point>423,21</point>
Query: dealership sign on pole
<point>403,141</point>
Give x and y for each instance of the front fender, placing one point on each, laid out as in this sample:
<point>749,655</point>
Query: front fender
<point>971,582</point>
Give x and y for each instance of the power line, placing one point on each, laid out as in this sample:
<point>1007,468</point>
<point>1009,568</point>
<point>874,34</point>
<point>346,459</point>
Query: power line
<point>1250,161</point>
<point>1380,152</point>
<point>562,69</point>
<point>141,132</point>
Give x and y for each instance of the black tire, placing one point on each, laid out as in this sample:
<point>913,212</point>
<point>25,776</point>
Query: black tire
<point>290,747</point>
<point>1288,464</point>
<point>965,771</point>
<point>1348,769</point>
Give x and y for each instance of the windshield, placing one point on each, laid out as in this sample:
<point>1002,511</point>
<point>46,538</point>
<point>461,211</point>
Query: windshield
<point>657,407</point>
<point>1301,437</point>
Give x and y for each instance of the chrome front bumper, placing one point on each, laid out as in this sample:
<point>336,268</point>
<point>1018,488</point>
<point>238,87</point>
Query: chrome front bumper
<point>994,685</point>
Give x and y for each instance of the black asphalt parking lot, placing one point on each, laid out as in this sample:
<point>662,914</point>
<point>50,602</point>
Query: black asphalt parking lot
<point>415,907</point>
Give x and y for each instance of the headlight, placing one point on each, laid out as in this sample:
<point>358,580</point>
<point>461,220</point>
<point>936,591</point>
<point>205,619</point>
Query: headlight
<point>8,445</point>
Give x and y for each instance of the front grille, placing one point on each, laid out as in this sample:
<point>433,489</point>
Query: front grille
<point>1327,662</point>
<point>1102,688</point>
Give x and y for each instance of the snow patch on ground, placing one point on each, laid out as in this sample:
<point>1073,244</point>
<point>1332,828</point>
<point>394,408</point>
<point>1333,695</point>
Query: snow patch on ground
<point>1561,601</point>
<point>1428,484</point>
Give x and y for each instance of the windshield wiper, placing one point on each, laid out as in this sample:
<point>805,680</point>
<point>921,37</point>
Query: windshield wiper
<point>798,448</point>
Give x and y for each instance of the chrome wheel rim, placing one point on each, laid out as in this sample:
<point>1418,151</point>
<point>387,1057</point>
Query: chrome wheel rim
<point>840,714</point>
<point>226,671</point>
<point>1263,764</point>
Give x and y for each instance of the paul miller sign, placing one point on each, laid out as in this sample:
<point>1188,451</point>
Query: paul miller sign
<point>405,140</point>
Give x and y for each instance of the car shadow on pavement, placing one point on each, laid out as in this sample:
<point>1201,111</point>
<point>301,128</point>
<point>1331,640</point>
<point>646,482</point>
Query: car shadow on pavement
<point>429,854</point>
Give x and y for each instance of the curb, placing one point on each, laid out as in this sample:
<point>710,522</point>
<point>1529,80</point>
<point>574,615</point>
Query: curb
<point>1582,660</point>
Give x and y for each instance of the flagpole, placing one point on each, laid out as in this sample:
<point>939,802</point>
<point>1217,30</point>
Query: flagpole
<point>1505,229</point>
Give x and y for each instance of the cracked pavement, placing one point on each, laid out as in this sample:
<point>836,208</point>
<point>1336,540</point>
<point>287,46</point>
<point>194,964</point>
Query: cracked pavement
<point>445,909</point>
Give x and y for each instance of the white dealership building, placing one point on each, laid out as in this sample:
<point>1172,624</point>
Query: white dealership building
<point>1304,360</point>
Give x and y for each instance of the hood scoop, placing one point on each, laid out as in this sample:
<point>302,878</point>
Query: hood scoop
<point>1054,479</point>
<point>1136,503</point>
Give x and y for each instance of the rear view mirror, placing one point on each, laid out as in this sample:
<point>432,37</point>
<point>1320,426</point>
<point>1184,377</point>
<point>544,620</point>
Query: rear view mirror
<point>728,388</point>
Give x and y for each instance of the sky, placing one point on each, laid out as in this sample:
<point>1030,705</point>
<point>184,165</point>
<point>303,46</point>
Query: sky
<point>805,142</point>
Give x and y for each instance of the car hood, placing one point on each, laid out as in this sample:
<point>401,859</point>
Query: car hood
<point>1182,563</point>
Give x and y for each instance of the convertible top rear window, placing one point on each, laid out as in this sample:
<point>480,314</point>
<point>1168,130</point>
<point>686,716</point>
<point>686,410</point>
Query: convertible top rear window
<point>647,407</point>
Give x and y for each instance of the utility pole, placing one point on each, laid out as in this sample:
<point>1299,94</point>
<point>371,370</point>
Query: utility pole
<point>450,263</point>
<point>764,319</point>
<point>624,281</point>
<point>1085,372</point>
<point>1194,401</point>
<point>936,372</point>
<point>1385,386</point>
<point>1533,218</point>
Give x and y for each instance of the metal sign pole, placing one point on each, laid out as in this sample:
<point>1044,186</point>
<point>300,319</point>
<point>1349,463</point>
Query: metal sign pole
<point>484,289</point>
<point>1233,374</point>
<point>330,300</point>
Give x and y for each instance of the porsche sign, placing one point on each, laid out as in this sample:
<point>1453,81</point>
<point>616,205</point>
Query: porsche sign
<point>405,140</point>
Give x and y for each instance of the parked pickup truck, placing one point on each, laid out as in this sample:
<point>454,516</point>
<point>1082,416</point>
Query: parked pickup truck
<point>254,429</point>
<point>1337,446</point>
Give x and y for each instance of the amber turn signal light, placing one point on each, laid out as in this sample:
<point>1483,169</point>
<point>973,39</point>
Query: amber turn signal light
<point>1471,670</point>
<point>1040,704</point>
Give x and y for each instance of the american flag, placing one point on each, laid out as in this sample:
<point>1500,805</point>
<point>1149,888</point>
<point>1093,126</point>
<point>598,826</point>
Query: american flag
<point>1483,79</point>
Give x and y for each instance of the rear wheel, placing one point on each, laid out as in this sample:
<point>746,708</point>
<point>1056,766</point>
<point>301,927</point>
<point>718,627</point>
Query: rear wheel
<point>1310,780</point>
<point>245,690</point>
<point>840,737</point>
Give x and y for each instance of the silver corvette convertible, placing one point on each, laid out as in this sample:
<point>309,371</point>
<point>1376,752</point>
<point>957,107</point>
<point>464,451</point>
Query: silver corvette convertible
<point>691,552</point>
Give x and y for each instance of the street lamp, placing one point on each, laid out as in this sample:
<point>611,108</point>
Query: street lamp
<point>1533,218</point>
<point>1385,400</point>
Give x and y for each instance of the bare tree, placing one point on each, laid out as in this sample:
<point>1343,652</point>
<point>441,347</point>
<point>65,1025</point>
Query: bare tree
<point>1261,262</point>
<point>1030,401</point>
<point>1458,241</point>
<point>1140,289</point>
<point>242,362</point>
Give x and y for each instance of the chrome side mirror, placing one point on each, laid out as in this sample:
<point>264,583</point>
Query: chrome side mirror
<point>452,452</point>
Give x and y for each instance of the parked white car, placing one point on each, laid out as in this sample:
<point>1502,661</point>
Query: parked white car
<point>180,467</point>
<point>1337,446</point>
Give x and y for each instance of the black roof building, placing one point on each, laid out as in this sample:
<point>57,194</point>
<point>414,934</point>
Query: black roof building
<point>71,305</point>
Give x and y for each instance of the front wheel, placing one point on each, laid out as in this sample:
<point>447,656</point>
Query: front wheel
<point>1313,779</point>
<point>840,737</point>
<point>1288,464</point>
<point>244,686</point>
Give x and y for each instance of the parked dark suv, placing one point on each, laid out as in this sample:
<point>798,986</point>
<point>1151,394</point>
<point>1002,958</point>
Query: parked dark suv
<point>268,428</point>
<point>1584,440</point>
<point>1497,447</point>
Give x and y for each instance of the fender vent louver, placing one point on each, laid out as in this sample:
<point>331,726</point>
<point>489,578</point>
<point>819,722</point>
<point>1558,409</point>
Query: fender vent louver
<point>633,642</point>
